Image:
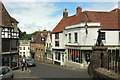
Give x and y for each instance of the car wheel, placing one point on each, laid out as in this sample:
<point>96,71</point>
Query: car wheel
<point>11,78</point>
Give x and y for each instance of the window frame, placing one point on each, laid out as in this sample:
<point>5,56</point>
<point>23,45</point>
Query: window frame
<point>75,37</point>
<point>119,36</point>
<point>103,35</point>
<point>57,44</point>
<point>57,36</point>
<point>69,37</point>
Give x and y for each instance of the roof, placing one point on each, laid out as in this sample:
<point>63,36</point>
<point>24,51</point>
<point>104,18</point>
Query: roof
<point>108,19</point>
<point>5,19</point>
<point>39,36</point>
<point>24,41</point>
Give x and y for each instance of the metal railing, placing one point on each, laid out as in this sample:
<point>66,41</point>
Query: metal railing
<point>111,60</point>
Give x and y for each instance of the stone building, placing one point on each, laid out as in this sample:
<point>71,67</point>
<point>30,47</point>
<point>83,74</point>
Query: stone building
<point>37,45</point>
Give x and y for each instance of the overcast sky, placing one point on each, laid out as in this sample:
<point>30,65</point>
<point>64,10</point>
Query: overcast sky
<point>40,14</point>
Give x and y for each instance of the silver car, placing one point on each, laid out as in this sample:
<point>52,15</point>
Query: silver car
<point>30,62</point>
<point>6,73</point>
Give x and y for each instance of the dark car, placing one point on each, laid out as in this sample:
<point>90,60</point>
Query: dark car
<point>6,73</point>
<point>30,62</point>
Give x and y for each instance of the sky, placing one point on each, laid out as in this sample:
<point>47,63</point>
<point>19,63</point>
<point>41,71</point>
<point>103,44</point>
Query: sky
<point>33,15</point>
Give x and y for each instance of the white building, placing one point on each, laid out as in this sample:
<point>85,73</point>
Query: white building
<point>24,48</point>
<point>74,36</point>
<point>48,47</point>
<point>79,43</point>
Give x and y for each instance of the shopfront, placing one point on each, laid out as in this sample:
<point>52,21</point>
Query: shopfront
<point>59,56</point>
<point>77,57</point>
<point>10,60</point>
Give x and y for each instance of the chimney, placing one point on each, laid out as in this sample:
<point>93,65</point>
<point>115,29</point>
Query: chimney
<point>65,13</point>
<point>78,10</point>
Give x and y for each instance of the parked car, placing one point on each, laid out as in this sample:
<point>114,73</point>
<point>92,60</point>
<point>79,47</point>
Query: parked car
<point>6,73</point>
<point>30,62</point>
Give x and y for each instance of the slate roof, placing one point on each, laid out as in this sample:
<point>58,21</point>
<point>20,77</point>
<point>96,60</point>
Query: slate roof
<point>108,19</point>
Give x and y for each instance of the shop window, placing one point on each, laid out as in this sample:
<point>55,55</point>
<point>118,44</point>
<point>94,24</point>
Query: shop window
<point>5,61</point>
<point>75,55</point>
<point>14,61</point>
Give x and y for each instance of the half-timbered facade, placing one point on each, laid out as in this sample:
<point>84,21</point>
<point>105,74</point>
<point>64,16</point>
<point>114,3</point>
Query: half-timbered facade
<point>9,38</point>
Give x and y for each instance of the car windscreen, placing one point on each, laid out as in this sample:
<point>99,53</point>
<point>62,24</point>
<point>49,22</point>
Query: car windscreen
<point>29,60</point>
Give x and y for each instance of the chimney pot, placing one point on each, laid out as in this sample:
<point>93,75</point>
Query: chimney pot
<point>65,13</point>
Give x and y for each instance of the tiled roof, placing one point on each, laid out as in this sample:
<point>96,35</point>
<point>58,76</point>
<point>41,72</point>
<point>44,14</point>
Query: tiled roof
<point>38,37</point>
<point>5,19</point>
<point>108,19</point>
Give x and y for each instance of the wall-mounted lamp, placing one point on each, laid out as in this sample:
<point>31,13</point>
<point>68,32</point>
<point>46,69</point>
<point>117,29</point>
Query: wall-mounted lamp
<point>86,28</point>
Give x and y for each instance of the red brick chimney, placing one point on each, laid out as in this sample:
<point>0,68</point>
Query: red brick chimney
<point>78,10</point>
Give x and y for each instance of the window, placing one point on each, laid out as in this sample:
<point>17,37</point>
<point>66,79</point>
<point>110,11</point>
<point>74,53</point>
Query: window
<point>75,55</point>
<point>28,48</point>
<point>5,70</point>
<point>23,48</point>
<point>76,37</point>
<point>119,36</point>
<point>69,37</point>
<point>57,55</point>
<point>57,36</point>
<point>20,48</point>
<point>103,35</point>
<point>57,43</point>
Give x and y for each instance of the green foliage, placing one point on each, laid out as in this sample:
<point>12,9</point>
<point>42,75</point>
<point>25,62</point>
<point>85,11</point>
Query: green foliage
<point>25,36</point>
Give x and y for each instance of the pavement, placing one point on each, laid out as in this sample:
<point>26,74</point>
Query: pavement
<point>20,71</point>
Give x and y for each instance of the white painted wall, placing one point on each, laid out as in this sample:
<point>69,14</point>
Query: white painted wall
<point>27,51</point>
<point>61,41</point>
<point>53,40</point>
<point>112,37</point>
<point>83,38</point>
<point>90,38</point>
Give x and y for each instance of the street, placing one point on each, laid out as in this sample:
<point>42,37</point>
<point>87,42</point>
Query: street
<point>45,71</point>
